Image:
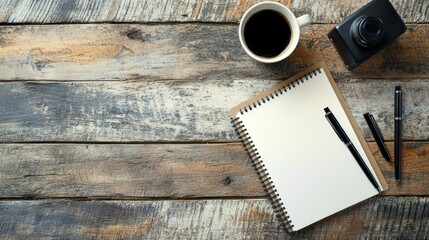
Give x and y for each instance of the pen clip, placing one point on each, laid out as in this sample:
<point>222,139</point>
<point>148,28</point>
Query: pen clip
<point>375,125</point>
<point>332,125</point>
<point>378,136</point>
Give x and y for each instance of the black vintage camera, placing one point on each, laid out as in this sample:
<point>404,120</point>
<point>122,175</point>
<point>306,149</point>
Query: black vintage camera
<point>366,32</point>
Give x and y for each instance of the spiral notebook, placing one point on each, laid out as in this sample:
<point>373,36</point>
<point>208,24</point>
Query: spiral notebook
<point>306,169</point>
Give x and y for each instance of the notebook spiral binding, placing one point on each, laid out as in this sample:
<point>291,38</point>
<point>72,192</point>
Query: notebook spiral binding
<point>254,156</point>
<point>281,90</point>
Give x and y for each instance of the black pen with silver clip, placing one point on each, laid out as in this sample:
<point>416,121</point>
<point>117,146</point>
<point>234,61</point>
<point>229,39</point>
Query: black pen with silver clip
<point>344,138</point>
<point>398,133</point>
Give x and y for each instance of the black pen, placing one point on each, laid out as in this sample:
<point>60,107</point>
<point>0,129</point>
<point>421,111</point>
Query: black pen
<point>398,132</point>
<point>344,138</point>
<point>377,135</point>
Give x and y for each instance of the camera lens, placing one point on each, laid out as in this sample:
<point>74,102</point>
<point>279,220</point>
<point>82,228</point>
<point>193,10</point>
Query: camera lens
<point>367,31</point>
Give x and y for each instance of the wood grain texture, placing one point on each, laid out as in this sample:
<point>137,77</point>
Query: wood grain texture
<point>387,217</point>
<point>176,110</point>
<point>126,171</point>
<point>116,171</point>
<point>102,125</point>
<point>184,51</point>
<point>84,11</point>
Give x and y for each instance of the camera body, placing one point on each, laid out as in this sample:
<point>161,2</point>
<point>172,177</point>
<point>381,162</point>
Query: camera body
<point>366,32</point>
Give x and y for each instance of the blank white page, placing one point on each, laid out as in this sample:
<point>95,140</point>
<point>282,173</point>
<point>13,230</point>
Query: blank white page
<point>313,171</point>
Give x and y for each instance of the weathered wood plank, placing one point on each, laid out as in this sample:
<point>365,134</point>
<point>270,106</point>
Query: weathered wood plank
<point>377,97</point>
<point>83,11</point>
<point>124,171</point>
<point>387,217</point>
<point>176,110</point>
<point>184,51</point>
<point>116,171</point>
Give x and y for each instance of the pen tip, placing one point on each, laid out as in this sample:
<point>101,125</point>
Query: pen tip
<point>398,181</point>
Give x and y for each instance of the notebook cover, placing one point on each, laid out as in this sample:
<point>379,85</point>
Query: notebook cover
<point>233,112</point>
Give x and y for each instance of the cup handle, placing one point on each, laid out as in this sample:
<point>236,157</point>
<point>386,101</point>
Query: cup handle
<point>304,20</point>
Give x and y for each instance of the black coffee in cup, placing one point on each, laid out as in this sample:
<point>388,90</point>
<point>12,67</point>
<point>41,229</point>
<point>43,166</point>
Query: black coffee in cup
<point>267,33</point>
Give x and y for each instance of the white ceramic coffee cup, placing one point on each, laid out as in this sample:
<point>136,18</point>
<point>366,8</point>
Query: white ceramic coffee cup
<point>294,23</point>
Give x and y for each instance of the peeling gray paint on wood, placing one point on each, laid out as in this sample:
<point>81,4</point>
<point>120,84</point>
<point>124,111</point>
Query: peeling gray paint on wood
<point>206,219</point>
<point>141,171</point>
<point>185,52</point>
<point>82,11</point>
<point>176,110</point>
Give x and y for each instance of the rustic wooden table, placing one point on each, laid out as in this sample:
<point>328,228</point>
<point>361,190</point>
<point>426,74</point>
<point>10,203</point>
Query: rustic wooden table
<point>114,120</point>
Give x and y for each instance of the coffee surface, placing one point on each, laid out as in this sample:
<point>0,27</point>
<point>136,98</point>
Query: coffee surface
<point>267,33</point>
